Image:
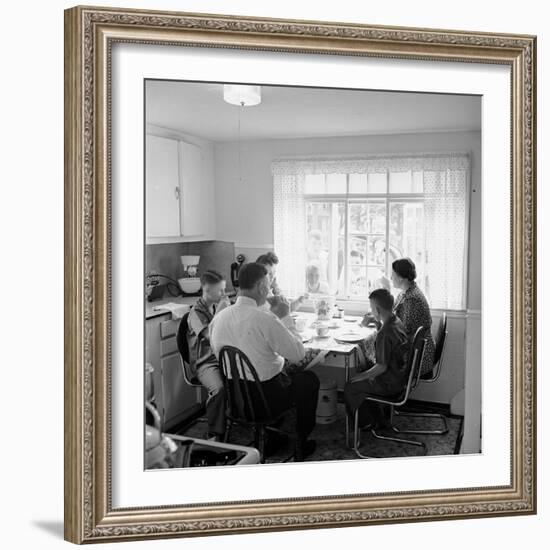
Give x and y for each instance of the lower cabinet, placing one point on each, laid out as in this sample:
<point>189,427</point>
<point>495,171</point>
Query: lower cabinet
<point>174,398</point>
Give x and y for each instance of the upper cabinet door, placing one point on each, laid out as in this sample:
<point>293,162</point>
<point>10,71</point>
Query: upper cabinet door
<point>162,201</point>
<point>193,210</point>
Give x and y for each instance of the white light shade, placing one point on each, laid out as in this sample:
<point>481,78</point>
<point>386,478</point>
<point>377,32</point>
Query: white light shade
<point>242,95</point>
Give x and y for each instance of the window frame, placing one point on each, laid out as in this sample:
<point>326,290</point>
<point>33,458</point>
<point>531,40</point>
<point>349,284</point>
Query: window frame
<point>388,198</point>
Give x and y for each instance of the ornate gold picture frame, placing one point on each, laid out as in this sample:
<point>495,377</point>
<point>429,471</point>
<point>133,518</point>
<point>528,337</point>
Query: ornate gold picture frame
<point>90,34</point>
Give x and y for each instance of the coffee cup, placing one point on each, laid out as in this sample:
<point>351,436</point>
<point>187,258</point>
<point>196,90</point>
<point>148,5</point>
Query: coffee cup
<point>322,330</point>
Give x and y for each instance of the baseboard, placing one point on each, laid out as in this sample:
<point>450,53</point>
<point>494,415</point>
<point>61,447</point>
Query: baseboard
<point>429,406</point>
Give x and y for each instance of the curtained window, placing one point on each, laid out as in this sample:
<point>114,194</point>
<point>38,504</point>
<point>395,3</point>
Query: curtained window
<point>347,219</point>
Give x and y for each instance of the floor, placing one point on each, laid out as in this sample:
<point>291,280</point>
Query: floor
<point>330,439</point>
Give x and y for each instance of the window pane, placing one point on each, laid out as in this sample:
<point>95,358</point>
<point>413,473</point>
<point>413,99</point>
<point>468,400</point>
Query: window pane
<point>400,182</point>
<point>407,236</point>
<point>325,227</point>
<point>358,183</point>
<point>362,281</point>
<point>377,182</point>
<point>376,250</point>
<point>417,182</point>
<point>367,217</point>
<point>358,219</point>
<point>358,250</point>
<point>336,184</point>
<point>357,281</point>
<point>377,212</point>
<point>367,183</point>
<point>314,184</point>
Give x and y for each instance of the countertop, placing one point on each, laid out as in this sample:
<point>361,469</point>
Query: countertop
<point>150,312</point>
<point>166,299</point>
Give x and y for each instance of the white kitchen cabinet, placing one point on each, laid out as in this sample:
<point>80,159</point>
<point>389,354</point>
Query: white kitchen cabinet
<point>177,207</point>
<point>192,203</point>
<point>174,398</point>
<point>162,187</point>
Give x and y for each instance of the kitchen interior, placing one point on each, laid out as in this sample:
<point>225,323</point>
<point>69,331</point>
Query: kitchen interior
<point>209,200</point>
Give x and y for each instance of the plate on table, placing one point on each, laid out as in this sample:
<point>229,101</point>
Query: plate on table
<point>349,337</point>
<point>349,319</point>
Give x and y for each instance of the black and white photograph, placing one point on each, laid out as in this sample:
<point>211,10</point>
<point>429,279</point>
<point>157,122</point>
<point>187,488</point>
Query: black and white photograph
<point>312,274</point>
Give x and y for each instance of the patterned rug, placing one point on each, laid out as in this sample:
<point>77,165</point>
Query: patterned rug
<point>330,439</point>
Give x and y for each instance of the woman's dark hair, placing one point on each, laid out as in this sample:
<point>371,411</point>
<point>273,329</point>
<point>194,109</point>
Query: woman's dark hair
<point>211,277</point>
<point>405,268</point>
<point>383,298</point>
<point>269,258</point>
<point>250,274</point>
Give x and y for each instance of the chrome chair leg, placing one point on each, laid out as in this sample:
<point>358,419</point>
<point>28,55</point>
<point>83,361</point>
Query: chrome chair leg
<point>443,419</point>
<point>357,436</point>
<point>398,439</point>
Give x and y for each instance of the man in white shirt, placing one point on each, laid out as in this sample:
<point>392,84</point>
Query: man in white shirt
<point>267,338</point>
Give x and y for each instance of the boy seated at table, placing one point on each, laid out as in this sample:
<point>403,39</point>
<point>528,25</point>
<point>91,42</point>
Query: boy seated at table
<point>388,376</point>
<point>202,361</point>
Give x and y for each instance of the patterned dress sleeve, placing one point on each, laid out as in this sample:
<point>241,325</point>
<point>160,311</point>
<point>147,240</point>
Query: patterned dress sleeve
<point>408,315</point>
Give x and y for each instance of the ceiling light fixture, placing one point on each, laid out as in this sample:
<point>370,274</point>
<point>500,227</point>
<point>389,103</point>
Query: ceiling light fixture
<point>244,96</point>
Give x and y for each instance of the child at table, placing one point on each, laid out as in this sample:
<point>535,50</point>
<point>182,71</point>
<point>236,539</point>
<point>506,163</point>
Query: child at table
<point>388,375</point>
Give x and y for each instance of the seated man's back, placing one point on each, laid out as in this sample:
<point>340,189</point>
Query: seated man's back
<point>267,339</point>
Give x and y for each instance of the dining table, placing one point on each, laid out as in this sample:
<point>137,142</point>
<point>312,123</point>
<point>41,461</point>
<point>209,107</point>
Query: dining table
<point>343,336</point>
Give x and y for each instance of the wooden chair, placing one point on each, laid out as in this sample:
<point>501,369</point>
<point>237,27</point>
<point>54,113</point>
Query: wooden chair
<point>246,402</point>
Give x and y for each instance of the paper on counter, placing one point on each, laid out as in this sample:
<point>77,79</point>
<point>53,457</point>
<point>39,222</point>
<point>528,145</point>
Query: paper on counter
<point>177,310</point>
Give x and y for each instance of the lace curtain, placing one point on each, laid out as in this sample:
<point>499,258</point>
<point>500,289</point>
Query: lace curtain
<point>445,228</point>
<point>371,164</point>
<point>445,183</point>
<point>289,232</point>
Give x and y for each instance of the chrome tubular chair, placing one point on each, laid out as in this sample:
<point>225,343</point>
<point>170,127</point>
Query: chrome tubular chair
<point>414,363</point>
<point>183,348</point>
<point>429,378</point>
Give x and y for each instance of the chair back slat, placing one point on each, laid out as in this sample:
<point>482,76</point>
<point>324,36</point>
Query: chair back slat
<point>245,398</point>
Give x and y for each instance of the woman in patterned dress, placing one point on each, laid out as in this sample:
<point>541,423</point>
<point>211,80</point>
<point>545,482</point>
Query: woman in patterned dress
<point>412,307</point>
